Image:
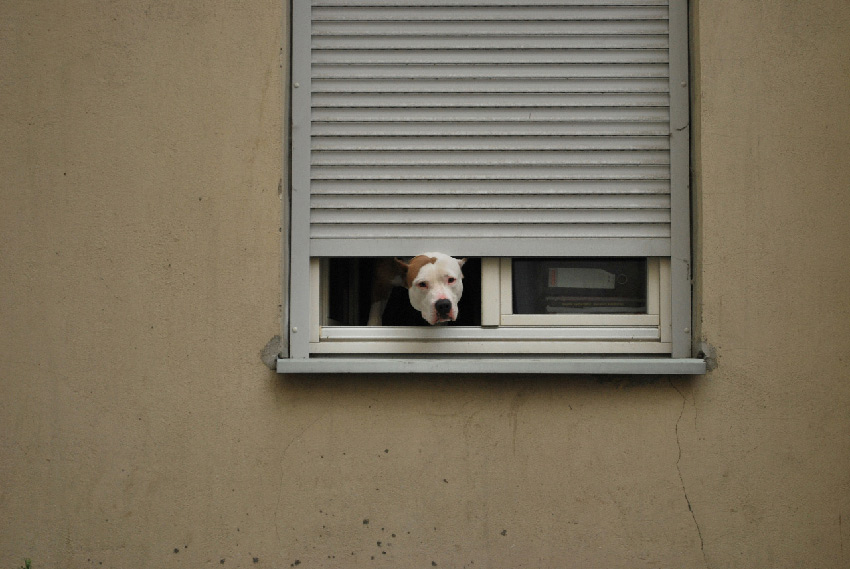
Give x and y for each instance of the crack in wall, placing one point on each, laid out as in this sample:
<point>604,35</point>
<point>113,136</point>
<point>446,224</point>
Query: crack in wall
<point>681,478</point>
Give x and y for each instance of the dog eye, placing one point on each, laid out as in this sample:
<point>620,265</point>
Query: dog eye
<point>423,284</point>
<point>451,280</point>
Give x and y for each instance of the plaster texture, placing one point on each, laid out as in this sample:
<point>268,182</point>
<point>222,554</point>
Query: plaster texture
<point>140,280</point>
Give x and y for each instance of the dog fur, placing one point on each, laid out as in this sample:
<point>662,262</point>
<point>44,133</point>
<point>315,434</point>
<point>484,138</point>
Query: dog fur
<point>434,282</point>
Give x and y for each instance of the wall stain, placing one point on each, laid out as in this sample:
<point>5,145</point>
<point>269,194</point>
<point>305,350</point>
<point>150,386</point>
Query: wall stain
<point>513,415</point>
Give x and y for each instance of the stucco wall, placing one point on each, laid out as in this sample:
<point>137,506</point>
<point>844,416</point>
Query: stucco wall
<point>139,279</point>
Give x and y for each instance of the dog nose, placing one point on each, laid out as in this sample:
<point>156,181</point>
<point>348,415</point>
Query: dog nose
<point>443,306</point>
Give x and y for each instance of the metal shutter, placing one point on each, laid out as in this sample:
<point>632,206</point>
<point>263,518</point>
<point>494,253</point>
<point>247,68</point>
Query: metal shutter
<point>492,128</point>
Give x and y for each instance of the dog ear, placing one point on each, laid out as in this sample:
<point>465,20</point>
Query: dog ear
<point>401,264</point>
<point>402,268</point>
<point>460,263</point>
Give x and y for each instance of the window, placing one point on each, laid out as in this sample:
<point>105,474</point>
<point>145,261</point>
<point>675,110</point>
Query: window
<point>546,141</point>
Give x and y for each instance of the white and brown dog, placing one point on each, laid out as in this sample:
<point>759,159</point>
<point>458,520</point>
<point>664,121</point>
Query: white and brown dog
<point>434,283</point>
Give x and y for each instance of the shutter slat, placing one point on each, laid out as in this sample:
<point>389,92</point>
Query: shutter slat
<point>520,172</point>
<point>411,29</point>
<point>380,159</point>
<point>488,100</point>
<point>504,143</point>
<point>419,86</point>
<point>482,3</point>
<point>529,216</point>
<point>365,189</point>
<point>492,42</point>
<point>575,127</point>
<point>421,72</point>
<point>487,115</point>
<point>426,230</point>
<point>477,14</point>
<point>504,201</point>
<point>436,57</point>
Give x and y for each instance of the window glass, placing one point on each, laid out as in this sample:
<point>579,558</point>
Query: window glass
<point>576,286</point>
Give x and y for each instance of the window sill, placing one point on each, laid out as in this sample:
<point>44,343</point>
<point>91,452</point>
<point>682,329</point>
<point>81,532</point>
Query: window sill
<point>494,365</point>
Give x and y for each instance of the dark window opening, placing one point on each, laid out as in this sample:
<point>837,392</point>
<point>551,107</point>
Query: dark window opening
<point>350,295</point>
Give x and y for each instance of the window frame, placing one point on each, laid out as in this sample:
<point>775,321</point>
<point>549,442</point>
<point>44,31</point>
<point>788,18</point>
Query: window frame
<point>302,283</point>
<point>528,334</point>
<point>658,299</point>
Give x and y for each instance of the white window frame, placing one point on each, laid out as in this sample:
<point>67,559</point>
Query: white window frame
<point>658,299</point>
<point>505,343</point>
<point>501,331</point>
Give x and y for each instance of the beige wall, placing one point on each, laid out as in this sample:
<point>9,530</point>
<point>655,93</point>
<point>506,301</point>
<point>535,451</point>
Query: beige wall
<point>139,279</point>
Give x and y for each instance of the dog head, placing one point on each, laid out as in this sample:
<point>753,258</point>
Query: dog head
<point>434,284</point>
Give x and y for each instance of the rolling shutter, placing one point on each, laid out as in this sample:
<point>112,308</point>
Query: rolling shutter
<point>491,128</point>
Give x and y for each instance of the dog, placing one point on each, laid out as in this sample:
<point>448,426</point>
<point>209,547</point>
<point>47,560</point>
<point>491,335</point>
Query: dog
<point>434,283</point>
